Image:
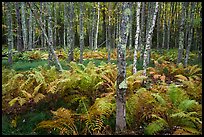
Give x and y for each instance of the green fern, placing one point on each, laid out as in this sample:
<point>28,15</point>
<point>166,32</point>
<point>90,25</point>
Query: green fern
<point>176,94</point>
<point>187,105</point>
<point>155,126</point>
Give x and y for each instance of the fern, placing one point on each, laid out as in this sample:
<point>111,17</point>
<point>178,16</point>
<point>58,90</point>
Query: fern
<point>159,98</point>
<point>187,105</point>
<point>176,94</point>
<point>63,120</point>
<point>103,107</point>
<point>155,126</point>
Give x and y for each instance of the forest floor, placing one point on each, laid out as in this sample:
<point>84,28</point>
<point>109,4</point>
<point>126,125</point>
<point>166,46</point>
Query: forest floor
<point>39,100</point>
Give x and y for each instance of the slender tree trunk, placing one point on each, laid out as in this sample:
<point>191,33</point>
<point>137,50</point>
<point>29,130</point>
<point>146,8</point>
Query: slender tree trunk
<point>136,37</point>
<point>164,27</point>
<point>181,34</point>
<point>55,25</point>
<point>142,31</point>
<point>19,36</point>
<point>168,28</point>
<point>10,33</point>
<point>148,38</point>
<point>50,46</point>
<point>24,27</point>
<point>186,24</point>
<point>41,18</point>
<point>97,25</point>
<point>30,31</point>
<point>34,28</point>
<point>158,26</point>
<point>50,34</point>
<point>121,78</point>
<point>93,28</point>
<point>109,33</point>
<point>81,32</point>
<point>190,34</point>
<point>72,34</point>
<point>65,24</point>
<point>130,31</point>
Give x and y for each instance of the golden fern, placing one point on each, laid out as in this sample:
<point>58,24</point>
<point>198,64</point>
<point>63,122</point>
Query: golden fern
<point>103,107</point>
<point>63,120</point>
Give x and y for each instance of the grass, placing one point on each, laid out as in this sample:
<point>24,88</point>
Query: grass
<point>24,65</point>
<point>25,123</point>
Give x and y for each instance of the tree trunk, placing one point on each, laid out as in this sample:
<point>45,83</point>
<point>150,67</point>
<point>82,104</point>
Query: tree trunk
<point>136,37</point>
<point>10,33</point>
<point>41,18</point>
<point>50,46</point>
<point>158,26</point>
<point>181,34</point>
<point>130,31</point>
<point>148,38</point>
<point>30,31</point>
<point>24,27</point>
<point>190,34</point>
<point>97,25</point>
<point>109,33</point>
<point>142,31</point>
<point>71,32</point>
<point>65,25</point>
<point>55,25</point>
<point>19,36</point>
<point>50,34</point>
<point>164,27</point>
<point>81,32</point>
<point>121,78</point>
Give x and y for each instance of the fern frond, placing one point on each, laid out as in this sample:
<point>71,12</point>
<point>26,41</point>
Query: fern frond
<point>181,78</point>
<point>62,120</point>
<point>159,98</point>
<point>187,105</point>
<point>155,126</point>
<point>176,94</point>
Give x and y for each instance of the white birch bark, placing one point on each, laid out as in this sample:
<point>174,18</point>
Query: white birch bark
<point>190,34</point>
<point>148,38</point>
<point>121,78</point>
<point>10,33</point>
<point>181,34</point>
<point>136,37</point>
<point>97,25</point>
<point>24,27</point>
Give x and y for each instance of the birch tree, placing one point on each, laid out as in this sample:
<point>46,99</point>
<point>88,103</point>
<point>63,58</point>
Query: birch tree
<point>108,34</point>
<point>19,30</point>
<point>158,26</point>
<point>130,31</point>
<point>121,78</point>
<point>71,32</point>
<point>50,34</point>
<point>81,32</point>
<point>142,32</point>
<point>190,33</point>
<point>169,27</point>
<point>55,24</point>
<point>164,26</point>
<point>136,37</point>
<point>10,33</point>
<point>148,38</point>
<point>30,30</point>
<point>50,46</point>
<point>97,25</point>
<point>24,27</point>
<point>65,25</point>
<point>181,34</point>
